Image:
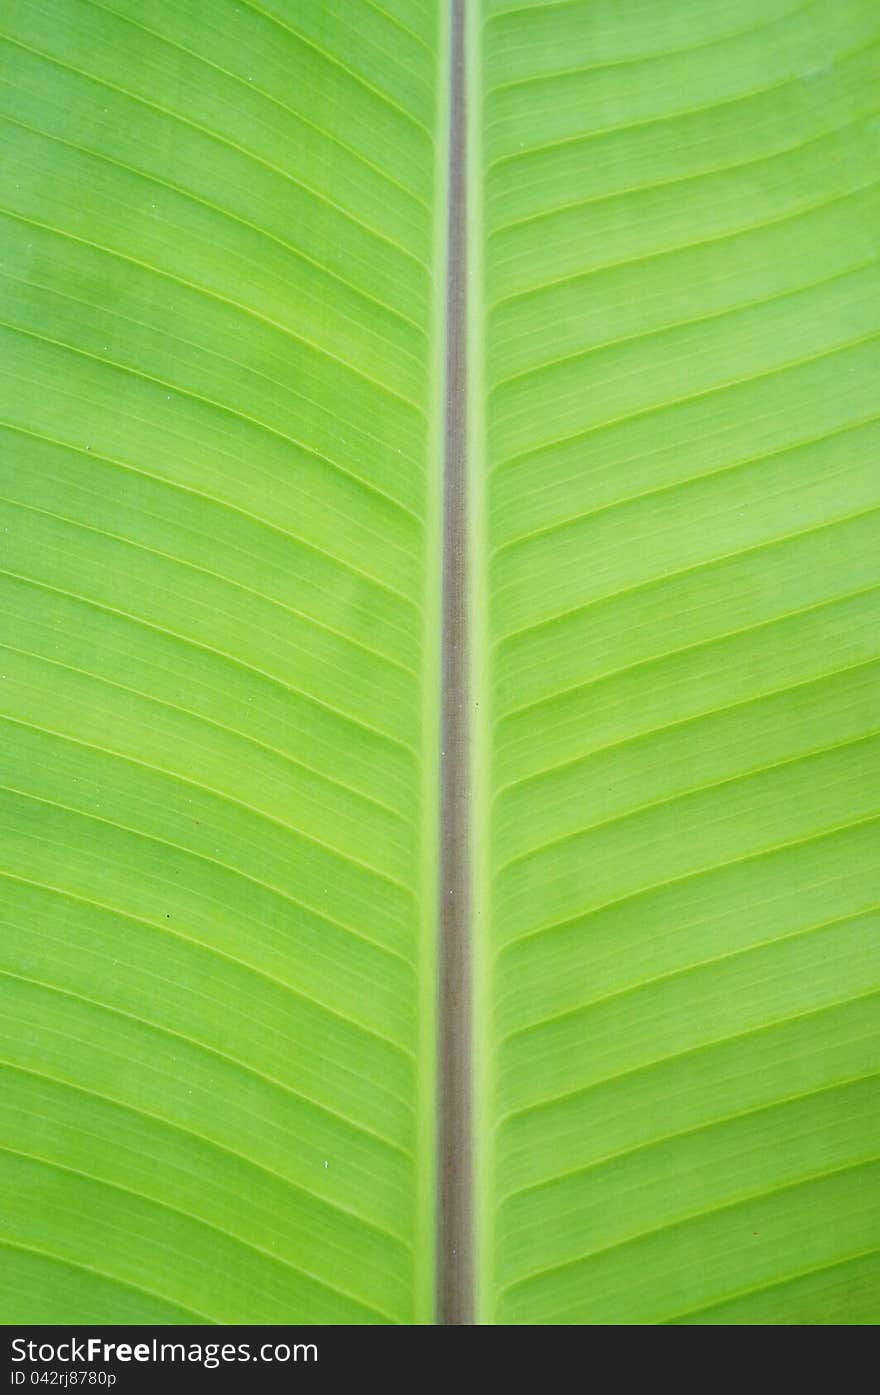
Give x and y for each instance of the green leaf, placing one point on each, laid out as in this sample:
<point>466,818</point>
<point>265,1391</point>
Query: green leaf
<point>217,238</point>
<point>681,289</point>
<point>225,261</point>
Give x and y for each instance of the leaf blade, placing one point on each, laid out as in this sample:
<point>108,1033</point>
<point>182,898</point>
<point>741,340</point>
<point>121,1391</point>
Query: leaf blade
<point>217,309</point>
<point>682,969</point>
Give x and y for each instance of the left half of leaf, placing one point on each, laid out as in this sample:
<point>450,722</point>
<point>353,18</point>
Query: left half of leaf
<point>218,678</point>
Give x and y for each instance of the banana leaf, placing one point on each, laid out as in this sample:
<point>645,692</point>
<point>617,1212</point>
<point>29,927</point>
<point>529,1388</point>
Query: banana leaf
<point>234,376</point>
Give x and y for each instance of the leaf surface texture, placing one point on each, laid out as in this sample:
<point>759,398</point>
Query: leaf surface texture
<point>222,253</point>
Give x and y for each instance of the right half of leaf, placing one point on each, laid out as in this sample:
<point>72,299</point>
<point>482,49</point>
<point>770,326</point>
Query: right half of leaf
<point>682,291</point>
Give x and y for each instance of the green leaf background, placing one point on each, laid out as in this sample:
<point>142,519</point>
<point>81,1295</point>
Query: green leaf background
<point>223,260</point>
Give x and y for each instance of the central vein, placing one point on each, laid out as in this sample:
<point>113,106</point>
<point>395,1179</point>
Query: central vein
<point>455,1284</point>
